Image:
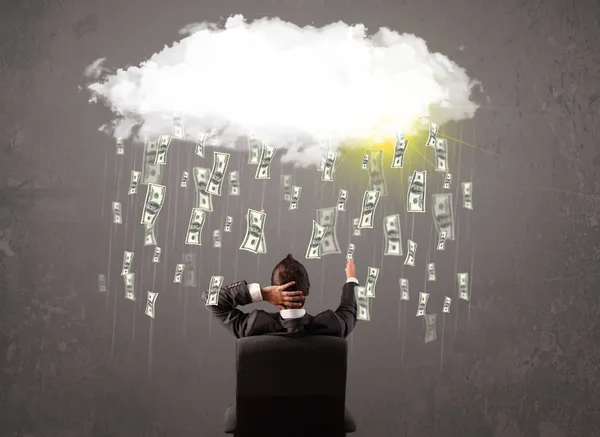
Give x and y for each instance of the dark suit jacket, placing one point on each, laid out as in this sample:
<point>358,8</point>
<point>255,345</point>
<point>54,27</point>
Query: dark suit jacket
<point>338,323</point>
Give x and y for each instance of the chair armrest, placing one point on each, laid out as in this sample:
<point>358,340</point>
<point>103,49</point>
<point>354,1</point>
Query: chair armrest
<point>230,421</point>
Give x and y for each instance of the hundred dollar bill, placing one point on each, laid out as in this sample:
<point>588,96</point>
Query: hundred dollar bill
<point>216,238</point>
<point>156,256</point>
<point>228,223</point>
<point>178,129</point>
<point>203,198</point>
<point>286,183</point>
<point>215,181</point>
<point>362,303</point>
<point>117,213</point>
<point>179,268</point>
<point>234,183</point>
<point>441,245</point>
<point>463,285</point>
<point>213,291</point>
<point>324,148</point>
<point>184,178</point>
<point>399,150</point>
<point>255,149</point>
<point>412,253</point>
<point>350,251</point>
<point>430,327</point>
<point>195,226</point>
<point>120,146</point>
<point>149,235</point>
<point>255,225</point>
<point>393,235</point>
<point>295,197</point>
<point>467,193</point>
<point>442,214</point>
<point>447,181</point>
<point>201,144</point>
<point>164,141</point>
<point>151,304</point>
<point>314,246</point>
<point>447,302</point>
<point>328,168</point>
<point>136,176</point>
<point>102,283</point>
<point>151,172</point>
<point>417,190</point>
<point>371,282</point>
<point>127,262</point>
<point>355,229</point>
<point>129,280</point>
<point>155,198</point>
<point>342,200</point>
<point>422,307</point>
<point>376,175</point>
<point>433,131</point>
<point>404,294</point>
<point>365,161</point>
<point>431,272</point>
<point>367,212</point>
<point>263,171</point>
<point>328,217</point>
<point>441,155</point>
<point>189,271</point>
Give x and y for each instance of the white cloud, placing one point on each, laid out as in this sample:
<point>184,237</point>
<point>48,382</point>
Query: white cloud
<point>288,84</point>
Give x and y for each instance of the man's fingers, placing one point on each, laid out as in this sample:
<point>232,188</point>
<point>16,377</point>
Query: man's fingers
<point>289,284</point>
<point>293,298</point>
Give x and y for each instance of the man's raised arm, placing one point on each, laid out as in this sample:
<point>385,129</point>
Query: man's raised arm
<point>346,311</point>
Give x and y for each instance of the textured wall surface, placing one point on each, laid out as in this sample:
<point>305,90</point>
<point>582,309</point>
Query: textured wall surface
<point>520,361</point>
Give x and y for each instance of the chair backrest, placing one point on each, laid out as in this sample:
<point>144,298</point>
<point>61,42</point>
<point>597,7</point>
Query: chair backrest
<point>285,382</point>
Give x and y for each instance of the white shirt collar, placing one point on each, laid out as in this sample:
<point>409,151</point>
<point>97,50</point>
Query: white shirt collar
<point>294,313</point>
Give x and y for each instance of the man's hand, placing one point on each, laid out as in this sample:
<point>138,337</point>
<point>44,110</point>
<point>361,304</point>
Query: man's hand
<point>276,295</point>
<point>350,269</point>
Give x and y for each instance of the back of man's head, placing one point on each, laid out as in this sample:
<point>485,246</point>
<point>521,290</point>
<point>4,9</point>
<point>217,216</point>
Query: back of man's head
<point>289,270</point>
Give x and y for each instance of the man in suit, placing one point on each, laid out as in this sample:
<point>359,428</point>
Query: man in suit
<point>292,319</point>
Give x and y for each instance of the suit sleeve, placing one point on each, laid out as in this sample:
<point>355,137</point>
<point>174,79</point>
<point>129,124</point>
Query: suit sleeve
<point>346,311</point>
<point>234,295</point>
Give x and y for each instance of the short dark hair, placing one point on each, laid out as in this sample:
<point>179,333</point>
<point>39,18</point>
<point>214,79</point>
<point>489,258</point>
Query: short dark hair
<point>288,270</point>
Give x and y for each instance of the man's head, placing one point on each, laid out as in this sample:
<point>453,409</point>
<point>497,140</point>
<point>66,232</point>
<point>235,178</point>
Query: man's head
<point>289,270</point>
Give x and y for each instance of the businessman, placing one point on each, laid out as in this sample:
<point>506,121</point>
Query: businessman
<point>288,291</point>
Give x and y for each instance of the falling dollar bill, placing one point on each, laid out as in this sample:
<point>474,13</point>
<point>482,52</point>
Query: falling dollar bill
<point>184,178</point>
<point>447,181</point>
<point>399,150</point>
<point>217,175</point>
<point>189,271</point>
<point>234,183</point>
<point>155,198</point>
<point>422,306</point>
<point>392,235</point>
<point>127,261</point>
<point>102,283</point>
<point>367,212</point>
<point>178,129</point>
<point>447,302</point>
<point>263,171</point>
<point>228,223</point>
<point>136,177</point>
<point>442,214</point>
<point>411,248</point>
<point>371,282</point>
<point>324,148</point>
<point>203,198</point>
<point>216,238</point>
<point>431,272</point>
<point>342,200</point>
<point>151,172</point>
<point>328,217</point>
<point>463,285</point>
<point>164,141</point>
<point>376,175</point>
<point>314,245</point>
<point>151,304</point>
<point>467,194</point>
<point>365,161</point>
<point>117,213</point>
<point>129,280</point>
<point>441,245</point>
<point>201,144</point>
<point>179,268</point>
<point>195,226</point>
<point>404,294</point>
<point>433,130</point>
<point>286,184</point>
<point>120,146</point>
<point>255,149</point>
<point>213,290</point>
<point>355,228</point>
<point>295,197</point>
<point>417,190</point>
<point>362,303</point>
<point>156,256</point>
<point>328,169</point>
<point>430,327</point>
<point>441,155</point>
<point>350,251</point>
<point>149,235</point>
<point>255,225</point>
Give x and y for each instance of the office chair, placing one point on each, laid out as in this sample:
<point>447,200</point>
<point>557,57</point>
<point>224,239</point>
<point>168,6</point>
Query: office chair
<point>290,387</point>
